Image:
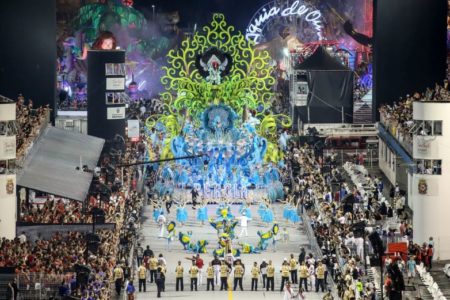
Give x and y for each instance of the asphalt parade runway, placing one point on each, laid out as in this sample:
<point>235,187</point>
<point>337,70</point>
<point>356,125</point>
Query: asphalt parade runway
<point>150,232</point>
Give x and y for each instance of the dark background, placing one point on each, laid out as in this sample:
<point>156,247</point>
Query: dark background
<point>238,13</point>
<point>28,50</point>
<point>410,47</point>
<point>409,52</point>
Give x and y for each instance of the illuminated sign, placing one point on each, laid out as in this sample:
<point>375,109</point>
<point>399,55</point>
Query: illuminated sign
<point>313,16</point>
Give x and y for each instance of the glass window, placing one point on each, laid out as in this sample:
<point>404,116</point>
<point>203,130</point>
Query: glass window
<point>437,128</point>
<point>427,128</point>
<point>302,88</point>
<point>437,167</point>
<point>420,166</point>
<point>428,166</point>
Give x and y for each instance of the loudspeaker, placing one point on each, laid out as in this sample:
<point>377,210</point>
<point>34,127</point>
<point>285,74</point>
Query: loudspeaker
<point>93,246</point>
<point>98,215</point>
<point>92,237</point>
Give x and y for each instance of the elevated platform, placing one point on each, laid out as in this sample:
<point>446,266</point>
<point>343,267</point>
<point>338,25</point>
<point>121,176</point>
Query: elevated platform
<point>344,130</point>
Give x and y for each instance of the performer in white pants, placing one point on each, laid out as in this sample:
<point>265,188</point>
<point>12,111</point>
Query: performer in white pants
<point>216,263</point>
<point>162,224</point>
<point>244,224</point>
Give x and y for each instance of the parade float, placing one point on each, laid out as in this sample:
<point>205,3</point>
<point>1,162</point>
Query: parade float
<point>217,104</point>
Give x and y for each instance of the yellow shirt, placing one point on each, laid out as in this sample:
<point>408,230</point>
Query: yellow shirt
<point>320,272</point>
<point>153,262</point>
<point>118,273</point>
<point>142,272</point>
<point>255,272</point>
<point>223,271</point>
<point>293,264</point>
<point>270,271</point>
<point>210,272</point>
<point>179,271</point>
<point>285,271</point>
<point>238,271</point>
<point>303,270</point>
<point>193,271</point>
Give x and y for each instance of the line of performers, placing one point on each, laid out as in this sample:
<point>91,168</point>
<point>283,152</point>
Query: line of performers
<point>224,222</point>
<point>265,211</point>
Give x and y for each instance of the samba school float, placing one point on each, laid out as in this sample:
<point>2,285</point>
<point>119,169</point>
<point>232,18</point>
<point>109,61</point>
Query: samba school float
<point>218,104</point>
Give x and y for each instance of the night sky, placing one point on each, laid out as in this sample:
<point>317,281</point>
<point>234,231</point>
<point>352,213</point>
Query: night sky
<point>237,12</point>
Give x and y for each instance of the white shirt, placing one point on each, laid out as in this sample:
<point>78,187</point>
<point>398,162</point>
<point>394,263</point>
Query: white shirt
<point>311,270</point>
<point>161,220</point>
<point>22,238</point>
<point>244,221</point>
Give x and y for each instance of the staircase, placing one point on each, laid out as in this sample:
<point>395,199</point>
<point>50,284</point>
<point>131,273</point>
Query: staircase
<point>376,283</point>
<point>362,110</point>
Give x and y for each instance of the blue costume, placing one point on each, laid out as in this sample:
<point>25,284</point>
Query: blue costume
<point>202,214</point>
<point>293,216</point>
<point>246,209</point>
<point>182,214</point>
<point>286,212</point>
<point>261,210</point>
<point>156,213</point>
<point>268,215</point>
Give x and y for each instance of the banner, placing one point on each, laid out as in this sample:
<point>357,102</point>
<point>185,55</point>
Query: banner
<point>7,147</point>
<point>133,128</point>
<point>115,84</point>
<point>116,113</point>
<point>423,147</point>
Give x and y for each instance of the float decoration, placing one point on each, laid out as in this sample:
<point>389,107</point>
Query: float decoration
<point>217,102</point>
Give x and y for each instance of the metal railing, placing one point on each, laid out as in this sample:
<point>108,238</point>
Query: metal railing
<point>396,130</point>
<point>343,155</point>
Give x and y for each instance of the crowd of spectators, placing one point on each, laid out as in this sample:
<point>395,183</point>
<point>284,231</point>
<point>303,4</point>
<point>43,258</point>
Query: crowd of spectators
<point>398,117</point>
<point>322,196</point>
<point>52,261</point>
<point>312,188</point>
<point>341,229</point>
<point>30,121</point>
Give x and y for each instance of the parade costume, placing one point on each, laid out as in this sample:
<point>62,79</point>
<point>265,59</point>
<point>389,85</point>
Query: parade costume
<point>202,213</point>
<point>182,214</point>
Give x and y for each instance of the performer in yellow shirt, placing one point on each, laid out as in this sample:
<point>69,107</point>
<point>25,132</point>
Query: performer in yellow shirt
<point>153,264</point>
<point>255,275</point>
<point>179,270</point>
<point>194,273</point>
<point>224,271</point>
<point>210,277</point>
<point>142,274</point>
<point>293,264</point>
<point>238,273</point>
<point>320,277</point>
<point>304,274</point>
<point>285,271</point>
<point>270,277</point>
